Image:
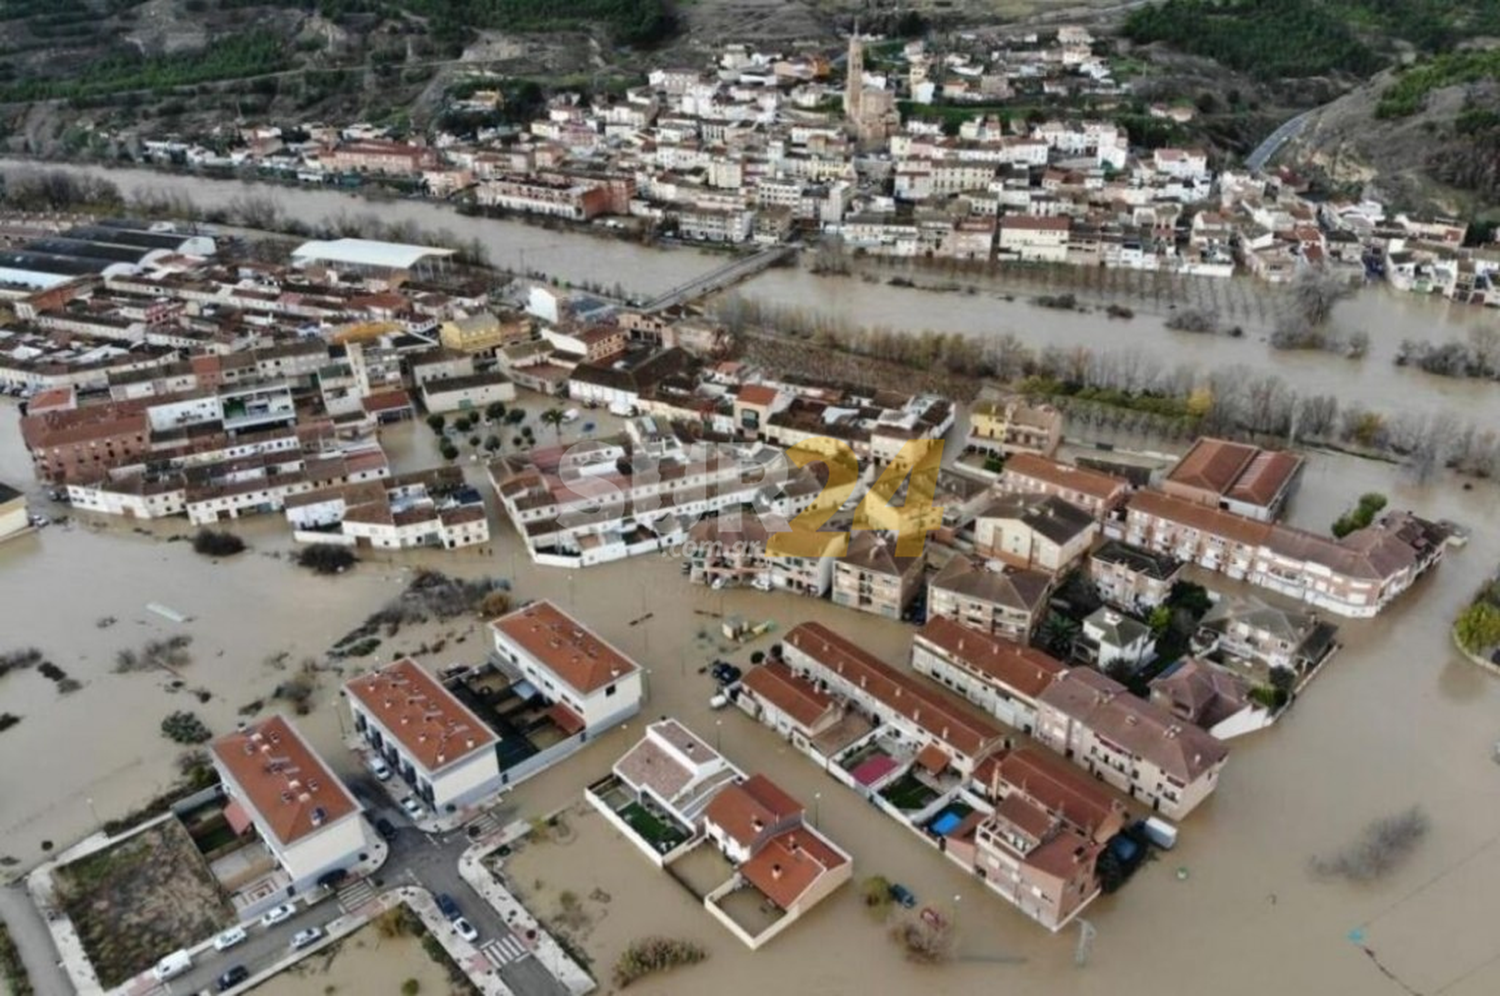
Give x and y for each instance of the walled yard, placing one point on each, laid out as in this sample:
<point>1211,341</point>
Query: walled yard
<point>141,899</point>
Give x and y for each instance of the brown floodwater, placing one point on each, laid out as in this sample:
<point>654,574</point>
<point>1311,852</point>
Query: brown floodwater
<point>1374,381</point>
<point>362,964</point>
<point>567,255</point>
<point>1397,719</point>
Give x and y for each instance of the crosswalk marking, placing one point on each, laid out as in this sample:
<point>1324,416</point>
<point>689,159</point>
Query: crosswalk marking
<point>352,897</point>
<point>483,825</point>
<point>504,950</point>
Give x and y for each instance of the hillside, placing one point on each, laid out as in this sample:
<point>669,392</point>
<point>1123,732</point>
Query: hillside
<point>1444,155</point>
<point>1411,90</point>
<point>67,66</point>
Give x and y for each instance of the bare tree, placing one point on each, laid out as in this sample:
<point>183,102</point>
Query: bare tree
<point>1383,845</point>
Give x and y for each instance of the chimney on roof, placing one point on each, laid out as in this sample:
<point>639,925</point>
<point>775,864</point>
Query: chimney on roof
<point>776,871</point>
<point>757,824</point>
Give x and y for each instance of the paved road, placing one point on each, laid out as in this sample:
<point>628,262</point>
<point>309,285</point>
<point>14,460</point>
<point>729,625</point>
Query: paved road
<point>1273,142</point>
<point>29,932</point>
<point>416,858</point>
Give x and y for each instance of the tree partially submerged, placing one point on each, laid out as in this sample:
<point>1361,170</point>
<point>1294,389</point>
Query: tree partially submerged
<point>655,954</point>
<point>1383,845</point>
<point>926,937</point>
<point>326,558</point>
<point>217,543</point>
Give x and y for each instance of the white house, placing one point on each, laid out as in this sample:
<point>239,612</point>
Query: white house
<point>300,810</point>
<point>1109,637</point>
<point>425,734</point>
<point>570,665</point>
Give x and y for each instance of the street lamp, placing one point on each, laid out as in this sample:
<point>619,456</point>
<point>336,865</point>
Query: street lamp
<point>817,810</point>
<point>718,733</point>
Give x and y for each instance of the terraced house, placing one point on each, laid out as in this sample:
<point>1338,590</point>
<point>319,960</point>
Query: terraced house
<point>1000,676</point>
<point>427,736</point>
<point>1356,576</point>
<point>1134,745</point>
<point>935,724</point>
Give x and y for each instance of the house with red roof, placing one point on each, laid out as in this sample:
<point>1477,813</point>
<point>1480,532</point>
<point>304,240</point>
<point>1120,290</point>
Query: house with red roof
<point>299,809</point>
<point>426,735</point>
<point>591,685</point>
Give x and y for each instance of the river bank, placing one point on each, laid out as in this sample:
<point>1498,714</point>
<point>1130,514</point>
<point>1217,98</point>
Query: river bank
<point>574,257</point>
<point>1001,304</point>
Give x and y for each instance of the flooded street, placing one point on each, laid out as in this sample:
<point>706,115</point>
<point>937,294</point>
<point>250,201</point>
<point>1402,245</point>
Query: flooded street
<point>362,963</point>
<point>1397,719</point>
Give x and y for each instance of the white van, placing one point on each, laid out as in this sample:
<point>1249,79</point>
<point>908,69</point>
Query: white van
<point>172,966</point>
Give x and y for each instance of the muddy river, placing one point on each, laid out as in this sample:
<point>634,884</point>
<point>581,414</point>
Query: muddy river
<point>1374,381</point>
<point>1397,719</point>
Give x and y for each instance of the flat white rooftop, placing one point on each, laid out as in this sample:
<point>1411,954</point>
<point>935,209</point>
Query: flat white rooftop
<point>367,252</point>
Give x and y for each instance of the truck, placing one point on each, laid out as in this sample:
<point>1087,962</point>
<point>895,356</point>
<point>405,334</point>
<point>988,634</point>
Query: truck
<point>1159,832</point>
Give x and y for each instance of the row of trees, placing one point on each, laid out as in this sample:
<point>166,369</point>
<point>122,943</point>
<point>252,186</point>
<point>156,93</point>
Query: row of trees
<point>57,190</point>
<point>264,213</point>
<point>1131,388</point>
<point>1478,355</point>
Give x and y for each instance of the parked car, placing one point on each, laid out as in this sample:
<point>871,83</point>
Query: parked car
<point>233,977</point>
<point>466,930</point>
<point>228,939</point>
<point>413,808</point>
<point>761,583</point>
<point>726,674</point>
<point>448,907</point>
<point>280,914</point>
<point>385,828</point>
<point>902,896</point>
<point>379,768</point>
<point>571,415</point>
<point>306,936</point>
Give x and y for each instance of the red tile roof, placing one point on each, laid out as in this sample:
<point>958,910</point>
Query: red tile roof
<point>432,725</point>
<point>789,864</point>
<point>282,780</point>
<point>1022,668</point>
<point>937,712</point>
<point>737,809</point>
<point>1201,517</point>
<point>797,697</point>
<point>757,394</point>
<point>1212,465</point>
<point>1094,483</point>
<point>563,645</point>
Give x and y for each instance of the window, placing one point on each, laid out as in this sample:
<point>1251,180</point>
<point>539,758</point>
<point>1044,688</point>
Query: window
<point>610,690</point>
